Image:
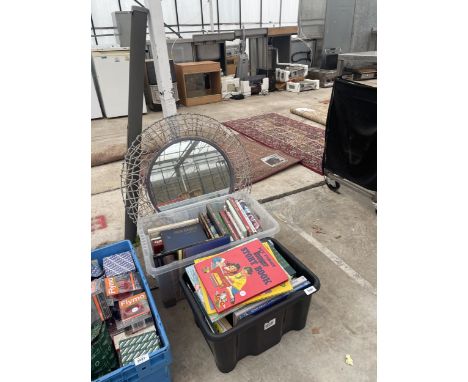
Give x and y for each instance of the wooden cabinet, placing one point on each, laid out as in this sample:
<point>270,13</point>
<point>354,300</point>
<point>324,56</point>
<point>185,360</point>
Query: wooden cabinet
<point>198,83</point>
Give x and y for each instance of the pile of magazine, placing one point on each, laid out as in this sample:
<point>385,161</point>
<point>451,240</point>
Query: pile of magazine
<point>121,319</point>
<point>219,225</point>
<point>241,282</point>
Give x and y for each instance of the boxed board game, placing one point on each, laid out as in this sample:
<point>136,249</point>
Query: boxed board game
<point>154,364</point>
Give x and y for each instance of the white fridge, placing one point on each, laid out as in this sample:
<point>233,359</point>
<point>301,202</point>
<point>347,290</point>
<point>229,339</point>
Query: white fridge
<point>111,70</point>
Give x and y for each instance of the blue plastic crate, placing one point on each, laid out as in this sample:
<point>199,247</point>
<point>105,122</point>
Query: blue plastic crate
<point>157,367</point>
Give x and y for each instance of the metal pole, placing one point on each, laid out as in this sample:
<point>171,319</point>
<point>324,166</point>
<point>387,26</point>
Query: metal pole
<point>211,16</point>
<point>94,30</point>
<point>201,13</point>
<point>217,11</point>
<point>176,15</point>
<point>161,57</point>
<point>240,13</point>
<point>281,6</point>
<point>135,102</point>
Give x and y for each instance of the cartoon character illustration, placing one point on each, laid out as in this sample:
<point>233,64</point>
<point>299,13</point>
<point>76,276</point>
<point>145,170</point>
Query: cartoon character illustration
<point>220,299</point>
<point>230,276</point>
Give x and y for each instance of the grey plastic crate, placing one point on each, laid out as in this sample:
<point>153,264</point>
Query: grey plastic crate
<point>167,276</point>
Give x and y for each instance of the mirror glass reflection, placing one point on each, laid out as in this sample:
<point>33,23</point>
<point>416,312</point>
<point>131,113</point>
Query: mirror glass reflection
<point>185,170</point>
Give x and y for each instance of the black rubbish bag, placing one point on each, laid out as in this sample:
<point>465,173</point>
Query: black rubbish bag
<point>351,133</point>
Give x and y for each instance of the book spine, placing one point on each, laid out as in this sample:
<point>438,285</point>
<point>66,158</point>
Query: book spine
<point>214,219</point>
<point>223,224</point>
<point>237,219</point>
<point>272,301</point>
<point>245,219</point>
<point>261,305</point>
<point>234,224</point>
<point>205,226</point>
<point>250,215</point>
<point>212,229</point>
<point>228,223</point>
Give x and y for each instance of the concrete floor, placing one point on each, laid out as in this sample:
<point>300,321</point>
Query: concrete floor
<point>332,234</point>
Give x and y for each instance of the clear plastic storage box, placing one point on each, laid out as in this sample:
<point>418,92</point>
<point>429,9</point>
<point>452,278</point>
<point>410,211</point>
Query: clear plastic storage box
<point>167,276</point>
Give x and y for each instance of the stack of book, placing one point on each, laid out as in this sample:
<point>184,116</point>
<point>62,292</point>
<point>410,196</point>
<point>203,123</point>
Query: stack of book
<point>120,304</point>
<point>241,282</point>
<point>219,225</point>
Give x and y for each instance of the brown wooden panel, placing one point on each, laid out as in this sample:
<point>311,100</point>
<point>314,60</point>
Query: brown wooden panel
<point>282,31</point>
<point>202,100</point>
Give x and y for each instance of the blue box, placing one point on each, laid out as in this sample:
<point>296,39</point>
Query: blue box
<point>157,367</point>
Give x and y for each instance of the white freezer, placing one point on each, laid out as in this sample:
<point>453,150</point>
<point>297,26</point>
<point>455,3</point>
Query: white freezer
<point>111,69</point>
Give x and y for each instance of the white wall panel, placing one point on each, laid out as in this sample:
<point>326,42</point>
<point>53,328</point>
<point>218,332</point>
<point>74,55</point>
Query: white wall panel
<point>271,12</point>
<point>189,12</point>
<point>289,12</point>
<point>229,11</point>
<point>250,12</point>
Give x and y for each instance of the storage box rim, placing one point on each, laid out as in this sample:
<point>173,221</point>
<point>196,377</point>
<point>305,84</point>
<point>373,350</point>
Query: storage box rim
<point>154,311</point>
<point>219,337</point>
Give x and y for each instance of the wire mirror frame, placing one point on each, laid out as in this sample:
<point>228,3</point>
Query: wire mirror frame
<point>150,143</point>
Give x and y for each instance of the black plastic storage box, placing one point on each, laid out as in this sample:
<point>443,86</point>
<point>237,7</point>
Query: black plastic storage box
<point>257,333</point>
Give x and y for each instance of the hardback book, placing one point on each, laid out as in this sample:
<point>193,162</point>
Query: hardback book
<point>298,284</point>
<point>245,219</point>
<point>222,325</point>
<point>242,217</point>
<point>228,223</point>
<point>205,225</point>
<point>238,274</point>
<point>237,220</point>
<point>234,224</point>
<point>133,307</point>
<point>206,246</point>
<point>209,228</point>
<point>157,245</point>
<point>125,282</point>
<point>286,266</point>
<point>215,218</point>
<point>199,290</point>
<point>180,238</point>
<point>250,215</point>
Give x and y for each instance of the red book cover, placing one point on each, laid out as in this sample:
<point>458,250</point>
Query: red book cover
<point>239,274</point>
<point>231,227</point>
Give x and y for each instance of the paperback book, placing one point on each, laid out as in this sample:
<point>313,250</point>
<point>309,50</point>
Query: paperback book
<point>237,275</point>
<point>208,305</point>
<point>251,309</point>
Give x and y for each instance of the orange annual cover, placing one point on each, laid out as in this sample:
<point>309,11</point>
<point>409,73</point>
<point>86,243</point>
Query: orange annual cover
<point>239,274</point>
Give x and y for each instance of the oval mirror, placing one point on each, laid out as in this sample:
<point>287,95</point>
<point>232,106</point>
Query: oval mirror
<point>188,169</point>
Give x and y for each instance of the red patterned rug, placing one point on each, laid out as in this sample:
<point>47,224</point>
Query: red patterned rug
<point>265,161</point>
<point>297,139</point>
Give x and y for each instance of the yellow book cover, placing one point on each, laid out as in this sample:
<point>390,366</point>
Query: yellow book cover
<point>277,290</point>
